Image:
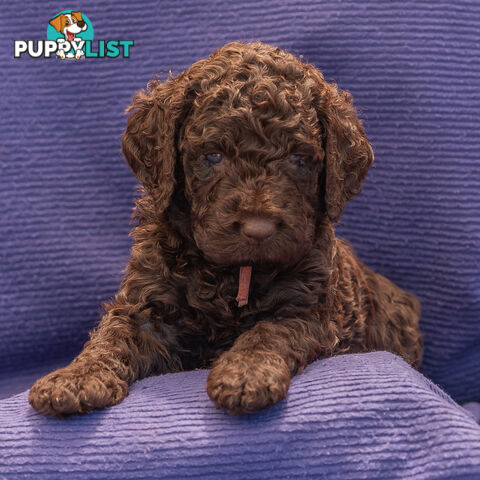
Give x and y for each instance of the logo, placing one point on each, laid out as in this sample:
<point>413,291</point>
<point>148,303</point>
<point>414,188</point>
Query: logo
<point>70,31</point>
<point>70,37</point>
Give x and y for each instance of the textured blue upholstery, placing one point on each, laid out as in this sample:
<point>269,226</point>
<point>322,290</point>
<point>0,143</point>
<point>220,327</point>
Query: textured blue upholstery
<point>349,417</point>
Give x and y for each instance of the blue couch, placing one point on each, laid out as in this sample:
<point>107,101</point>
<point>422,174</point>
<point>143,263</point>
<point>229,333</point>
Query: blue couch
<point>414,71</point>
<point>348,417</point>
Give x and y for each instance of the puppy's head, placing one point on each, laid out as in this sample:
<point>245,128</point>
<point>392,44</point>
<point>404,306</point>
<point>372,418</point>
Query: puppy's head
<point>69,24</point>
<point>261,147</point>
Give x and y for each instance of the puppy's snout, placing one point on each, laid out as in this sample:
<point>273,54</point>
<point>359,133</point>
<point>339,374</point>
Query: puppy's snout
<point>258,229</point>
<point>81,23</point>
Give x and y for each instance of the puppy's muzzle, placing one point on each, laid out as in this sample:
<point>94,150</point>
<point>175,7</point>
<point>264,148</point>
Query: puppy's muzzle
<point>258,229</point>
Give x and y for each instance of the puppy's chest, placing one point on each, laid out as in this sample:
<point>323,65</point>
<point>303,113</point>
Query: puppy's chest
<point>207,319</point>
<point>266,291</point>
<point>210,305</point>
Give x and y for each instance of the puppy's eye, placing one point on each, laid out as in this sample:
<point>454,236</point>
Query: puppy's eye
<point>299,162</point>
<point>214,158</point>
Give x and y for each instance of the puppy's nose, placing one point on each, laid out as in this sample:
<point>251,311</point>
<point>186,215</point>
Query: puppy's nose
<point>258,228</point>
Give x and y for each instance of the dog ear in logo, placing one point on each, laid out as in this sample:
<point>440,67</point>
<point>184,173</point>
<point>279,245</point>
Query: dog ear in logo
<point>77,16</point>
<point>58,23</point>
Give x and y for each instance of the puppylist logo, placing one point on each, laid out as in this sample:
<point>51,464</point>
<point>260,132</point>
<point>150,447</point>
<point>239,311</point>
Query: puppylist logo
<point>70,37</point>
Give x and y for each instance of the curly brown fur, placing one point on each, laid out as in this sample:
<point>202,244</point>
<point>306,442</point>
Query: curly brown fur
<point>249,139</point>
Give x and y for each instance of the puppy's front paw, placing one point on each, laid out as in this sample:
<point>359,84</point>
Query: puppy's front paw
<point>76,389</point>
<point>245,382</point>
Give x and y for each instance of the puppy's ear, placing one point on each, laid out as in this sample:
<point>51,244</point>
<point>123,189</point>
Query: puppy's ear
<point>77,15</point>
<point>57,22</point>
<point>148,143</point>
<point>348,154</point>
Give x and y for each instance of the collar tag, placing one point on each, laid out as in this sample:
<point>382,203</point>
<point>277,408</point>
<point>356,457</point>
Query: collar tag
<point>243,285</point>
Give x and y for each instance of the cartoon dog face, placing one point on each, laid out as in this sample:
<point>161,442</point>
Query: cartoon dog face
<point>69,24</point>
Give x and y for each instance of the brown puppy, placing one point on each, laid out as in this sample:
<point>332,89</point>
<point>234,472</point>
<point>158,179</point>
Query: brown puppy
<point>247,158</point>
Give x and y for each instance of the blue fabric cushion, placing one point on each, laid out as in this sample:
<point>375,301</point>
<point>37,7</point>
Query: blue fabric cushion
<point>349,417</point>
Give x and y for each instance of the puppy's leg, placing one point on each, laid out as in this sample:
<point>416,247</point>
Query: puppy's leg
<point>396,322</point>
<point>123,348</point>
<point>256,371</point>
